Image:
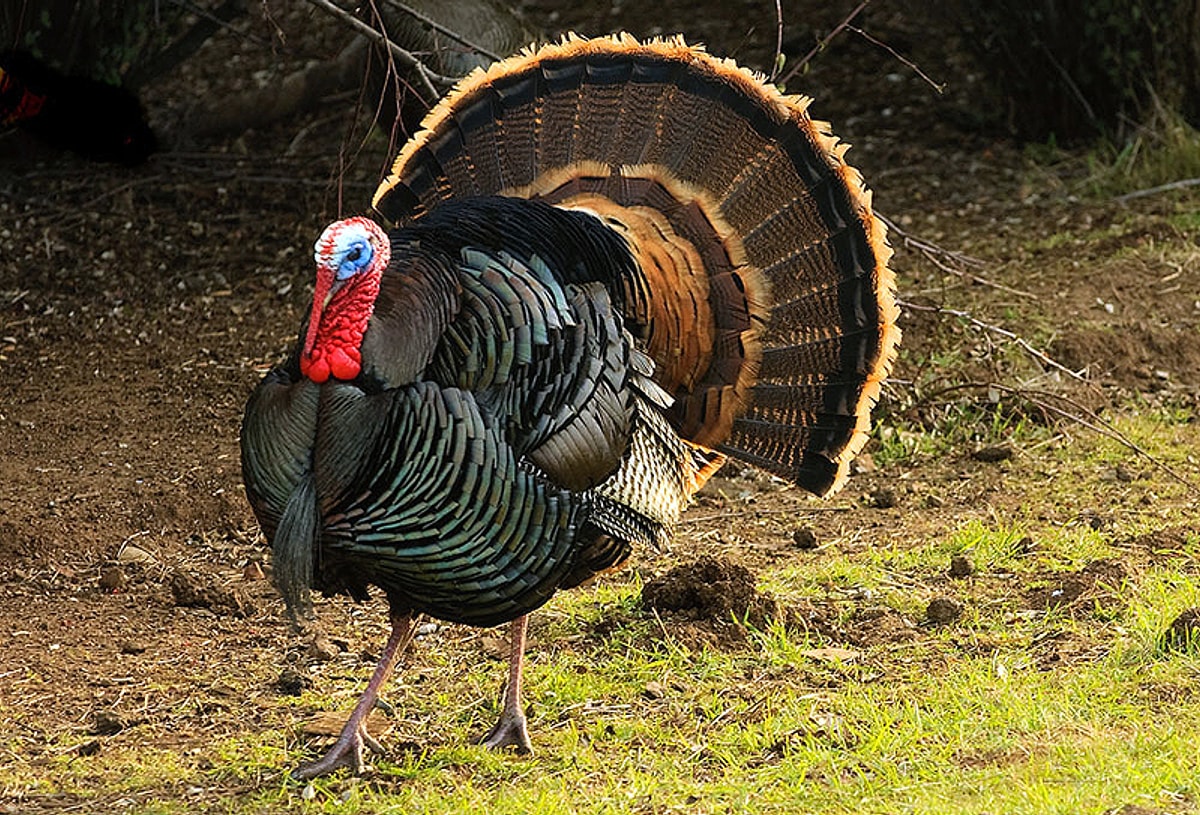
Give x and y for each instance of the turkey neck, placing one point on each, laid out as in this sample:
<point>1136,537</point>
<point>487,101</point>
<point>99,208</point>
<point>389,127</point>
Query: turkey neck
<point>418,297</point>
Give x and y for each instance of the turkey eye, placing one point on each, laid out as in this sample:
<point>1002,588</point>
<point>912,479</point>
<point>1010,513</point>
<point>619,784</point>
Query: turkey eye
<point>354,254</point>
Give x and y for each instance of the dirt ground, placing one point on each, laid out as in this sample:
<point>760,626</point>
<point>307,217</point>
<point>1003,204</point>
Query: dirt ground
<point>138,308</point>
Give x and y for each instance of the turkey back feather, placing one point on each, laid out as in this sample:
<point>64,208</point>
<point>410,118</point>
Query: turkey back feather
<point>760,289</point>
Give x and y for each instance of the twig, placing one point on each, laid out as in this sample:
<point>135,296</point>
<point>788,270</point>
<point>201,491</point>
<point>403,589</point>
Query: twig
<point>777,63</point>
<point>405,58</point>
<point>1025,345</point>
<point>1084,417</point>
<point>935,253</point>
<point>1174,185</point>
<point>441,29</point>
<point>824,42</point>
<point>912,66</point>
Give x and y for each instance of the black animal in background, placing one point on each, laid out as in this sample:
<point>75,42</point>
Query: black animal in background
<point>97,120</point>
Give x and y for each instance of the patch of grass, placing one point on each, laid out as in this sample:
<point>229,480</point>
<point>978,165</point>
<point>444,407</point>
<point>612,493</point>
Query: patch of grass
<point>1163,150</point>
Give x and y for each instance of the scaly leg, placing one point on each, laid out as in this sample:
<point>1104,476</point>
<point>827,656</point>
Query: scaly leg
<point>512,730</point>
<point>348,749</point>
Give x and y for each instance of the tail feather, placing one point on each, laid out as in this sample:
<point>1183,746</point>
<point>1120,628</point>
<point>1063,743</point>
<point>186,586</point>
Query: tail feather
<point>763,289</point>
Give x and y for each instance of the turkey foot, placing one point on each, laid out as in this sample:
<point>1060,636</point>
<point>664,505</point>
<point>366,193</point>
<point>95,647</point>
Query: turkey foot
<point>512,729</point>
<point>347,751</point>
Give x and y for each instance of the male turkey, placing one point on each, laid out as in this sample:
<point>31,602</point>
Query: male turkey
<point>612,264</point>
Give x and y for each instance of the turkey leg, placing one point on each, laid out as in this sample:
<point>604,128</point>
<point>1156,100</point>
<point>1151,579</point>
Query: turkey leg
<point>348,749</point>
<point>512,730</point>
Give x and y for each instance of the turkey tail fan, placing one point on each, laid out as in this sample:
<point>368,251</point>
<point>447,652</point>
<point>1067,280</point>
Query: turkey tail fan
<point>763,296</point>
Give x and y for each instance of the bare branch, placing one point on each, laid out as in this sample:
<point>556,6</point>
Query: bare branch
<point>800,66</point>
<point>1081,415</point>
<point>939,87</point>
<point>405,58</point>
<point>777,62</point>
<point>441,29</point>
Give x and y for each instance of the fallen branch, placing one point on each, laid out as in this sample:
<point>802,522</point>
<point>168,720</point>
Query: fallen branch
<point>1081,415</point>
<point>1024,344</point>
<point>935,254</point>
<point>1174,185</point>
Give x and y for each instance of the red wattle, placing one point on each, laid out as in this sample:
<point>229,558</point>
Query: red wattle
<point>344,363</point>
<point>316,369</point>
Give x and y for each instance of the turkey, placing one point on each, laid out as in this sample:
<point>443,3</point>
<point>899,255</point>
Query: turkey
<point>608,265</point>
<point>99,121</point>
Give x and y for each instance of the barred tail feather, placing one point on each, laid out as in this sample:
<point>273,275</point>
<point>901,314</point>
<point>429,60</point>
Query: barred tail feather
<point>762,292</point>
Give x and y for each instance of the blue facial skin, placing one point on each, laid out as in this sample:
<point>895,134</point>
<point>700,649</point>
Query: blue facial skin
<point>354,257</point>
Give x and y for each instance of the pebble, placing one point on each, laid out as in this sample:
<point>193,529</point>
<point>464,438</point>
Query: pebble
<point>1001,452</point>
<point>132,647</point>
<point>961,566</point>
<point>113,579</point>
<point>943,610</point>
<point>804,538</point>
<point>322,649</point>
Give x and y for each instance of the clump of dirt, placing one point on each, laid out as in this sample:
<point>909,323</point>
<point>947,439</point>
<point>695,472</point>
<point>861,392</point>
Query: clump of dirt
<point>192,590</point>
<point>1183,634</point>
<point>710,589</point>
<point>877,625</point>
<point>1140,357</point>
<point>1092,584</point>
<point>1171,540</point>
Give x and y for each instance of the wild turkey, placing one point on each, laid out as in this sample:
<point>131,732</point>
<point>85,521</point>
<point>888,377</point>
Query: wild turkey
<point>612,264</point>
<point>99,121</point>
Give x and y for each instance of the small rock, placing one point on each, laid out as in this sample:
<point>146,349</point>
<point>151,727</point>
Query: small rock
<point>113,579</point>
<point>204,593</point>
<point>88,748</point>
<point>322,649</point>
<point>863,463</point>
<point>1183,634</point>
<point>107,723</point>
<point>654,690</point>
<point>291,682</point>
<point>253,571</point>
<point>992,454</point>
<point>883,498</point>
<point>943,610</point>
<point>134,554</point>
<point>132,647</point>
<point>804,538</point>
<point>961,566</point>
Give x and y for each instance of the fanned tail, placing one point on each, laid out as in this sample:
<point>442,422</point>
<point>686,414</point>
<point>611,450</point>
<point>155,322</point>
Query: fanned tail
<point>762,292</point>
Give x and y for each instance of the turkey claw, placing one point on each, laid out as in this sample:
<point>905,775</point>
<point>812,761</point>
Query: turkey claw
<point>347,751</point>
<point>510,731</point>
